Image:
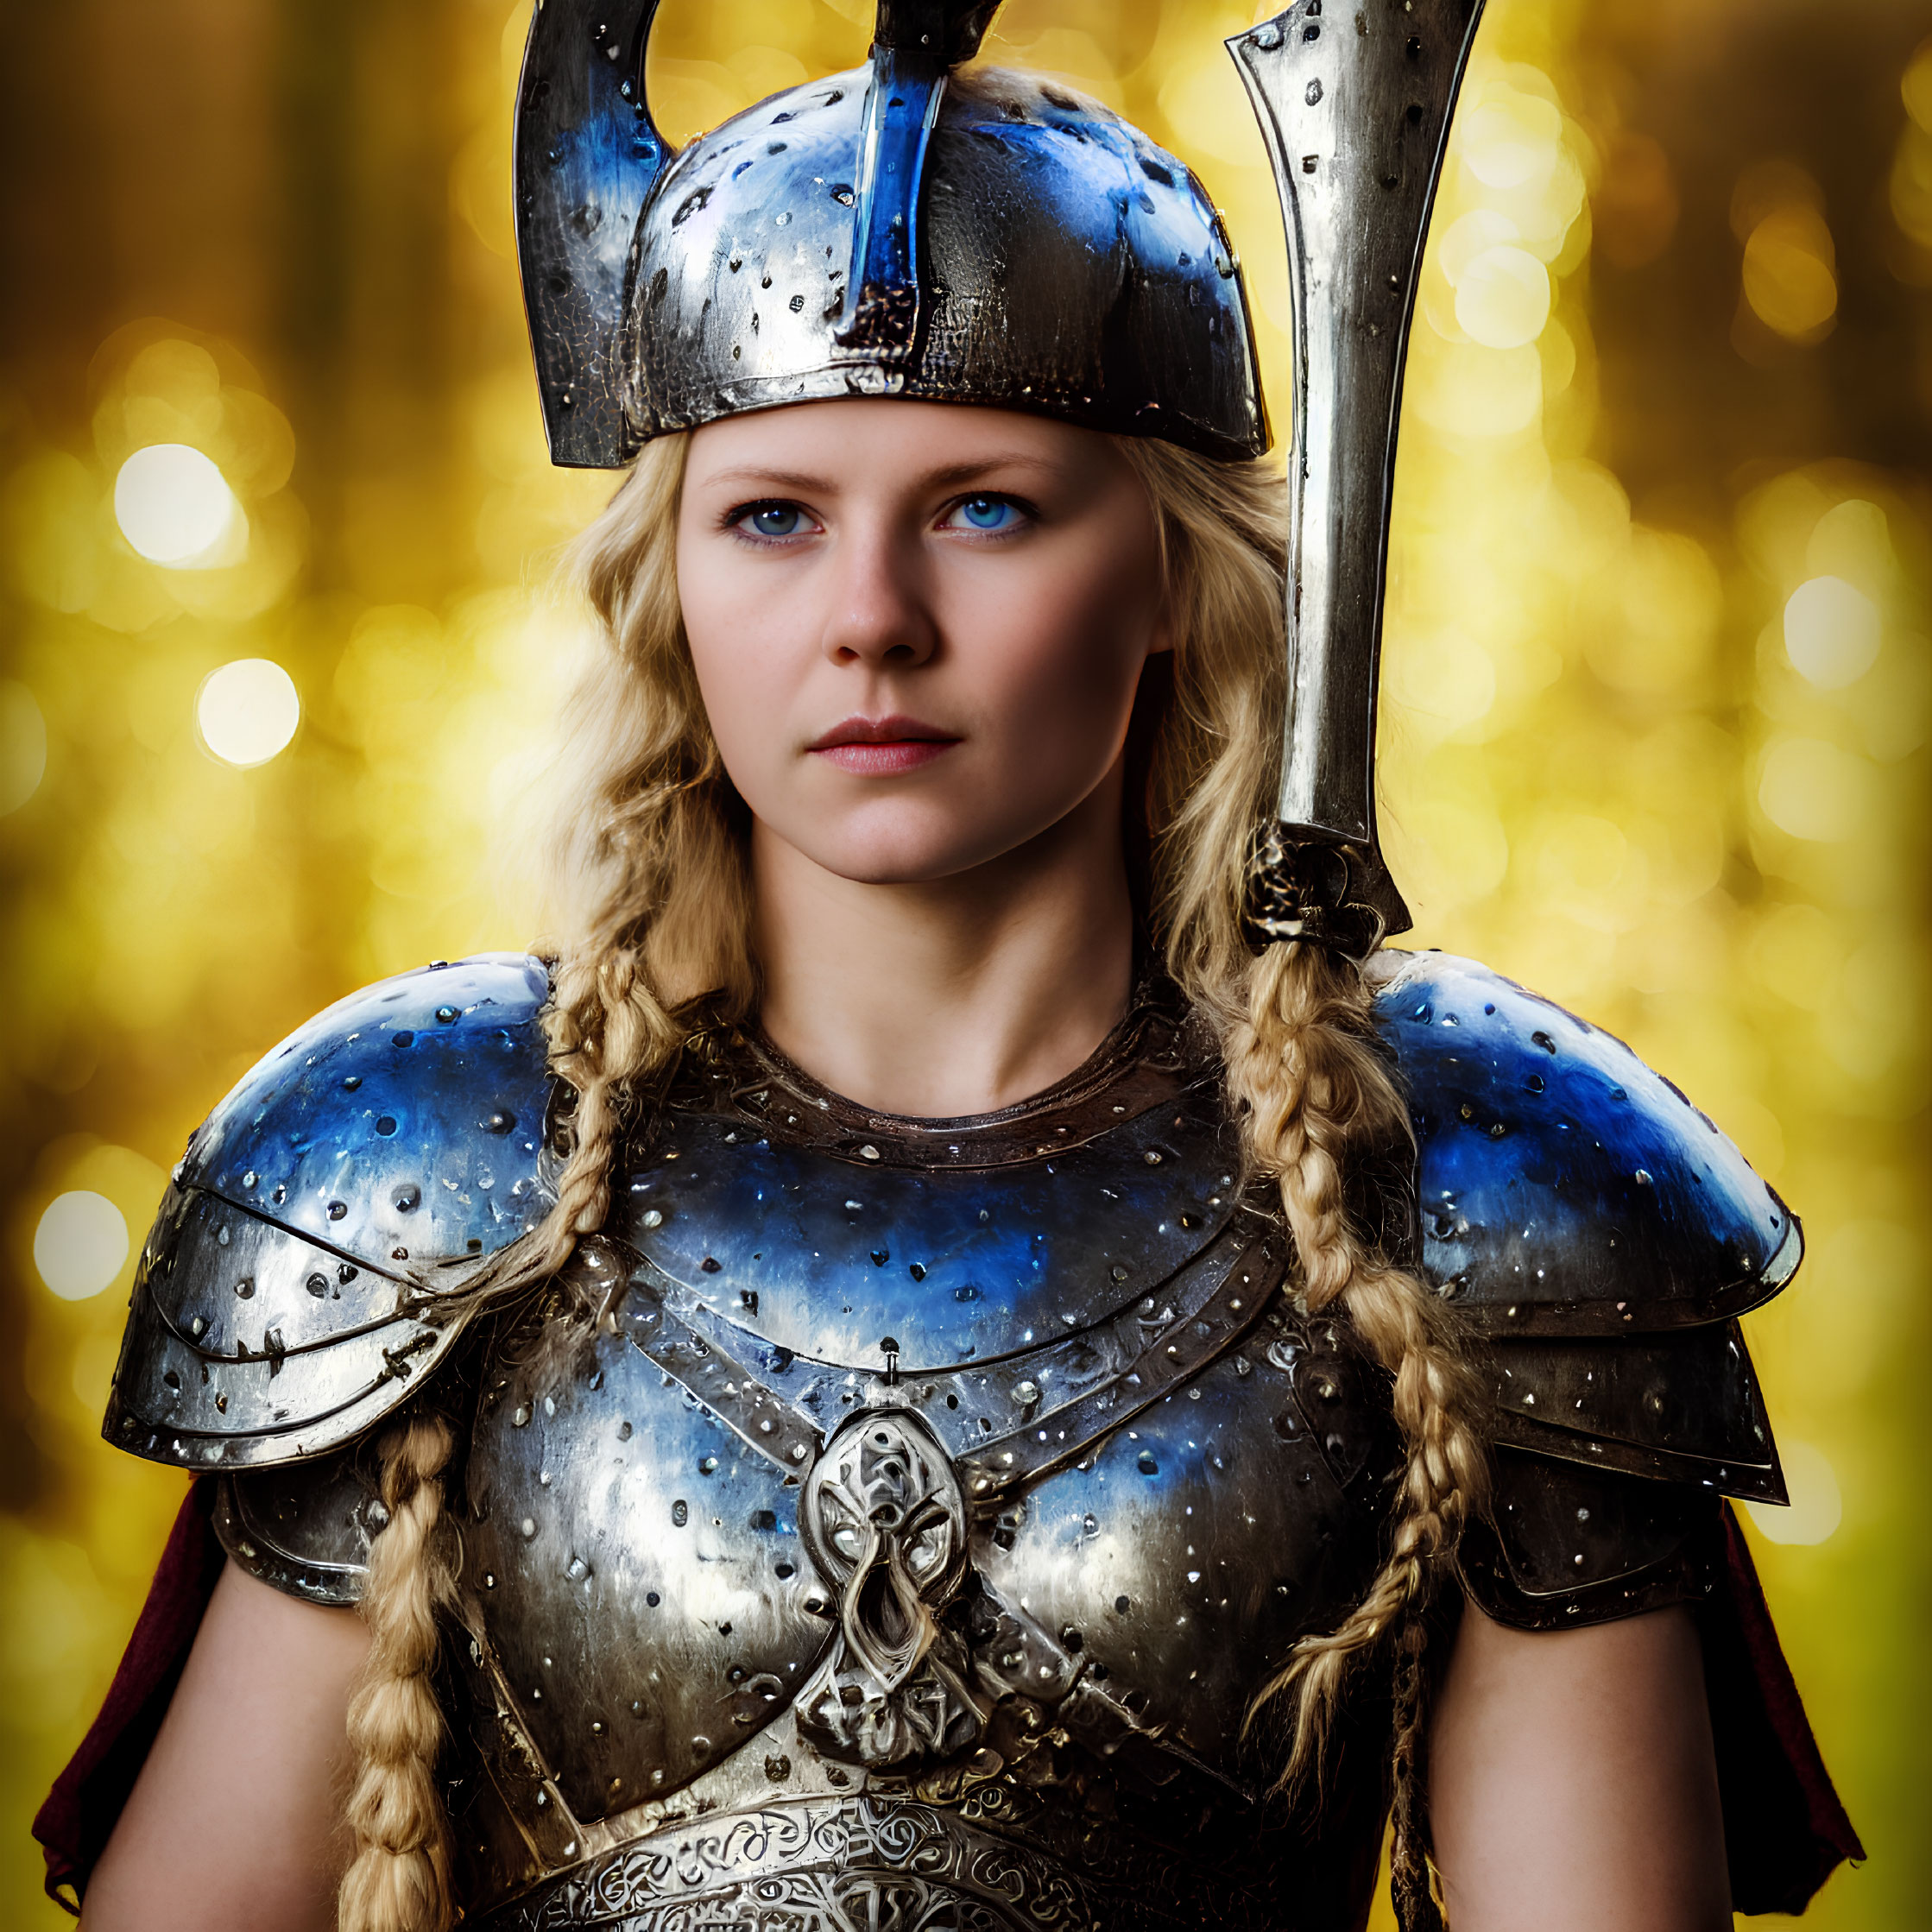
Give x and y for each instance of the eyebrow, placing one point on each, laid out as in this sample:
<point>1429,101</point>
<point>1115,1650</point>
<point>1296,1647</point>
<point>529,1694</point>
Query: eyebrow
<point>941,477</point>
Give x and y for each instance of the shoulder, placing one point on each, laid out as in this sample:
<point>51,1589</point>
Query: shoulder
<point>274,1314</point>
<point>1599,1235</point>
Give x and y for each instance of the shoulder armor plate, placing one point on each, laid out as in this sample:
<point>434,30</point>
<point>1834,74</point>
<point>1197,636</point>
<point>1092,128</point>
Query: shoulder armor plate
<point>304,1528</point>
<point>1597,1232</point>
<point>274,1315</point>
<point>1566,1190</point>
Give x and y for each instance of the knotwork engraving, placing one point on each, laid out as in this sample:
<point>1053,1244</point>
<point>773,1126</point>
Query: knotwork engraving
<point>885,1522</point>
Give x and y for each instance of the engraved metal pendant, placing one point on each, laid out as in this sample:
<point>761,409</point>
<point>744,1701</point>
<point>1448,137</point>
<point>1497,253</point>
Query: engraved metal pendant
<point>885,1523</point>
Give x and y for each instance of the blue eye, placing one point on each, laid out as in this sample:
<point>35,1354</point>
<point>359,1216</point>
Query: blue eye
<point>775,519</point>
<point>989,513</point>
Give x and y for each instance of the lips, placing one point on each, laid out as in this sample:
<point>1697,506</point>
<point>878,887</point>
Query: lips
<point>882,747</point>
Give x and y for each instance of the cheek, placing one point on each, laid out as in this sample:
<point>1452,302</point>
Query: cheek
<point>740,673</point>
<point>1063,664</point>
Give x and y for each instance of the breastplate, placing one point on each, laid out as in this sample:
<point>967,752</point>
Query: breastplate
<point>900,1529</point>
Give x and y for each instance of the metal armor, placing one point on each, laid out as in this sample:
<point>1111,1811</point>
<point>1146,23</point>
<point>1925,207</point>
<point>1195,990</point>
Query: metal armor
<point>899,1524</point>
<point>891,230</point>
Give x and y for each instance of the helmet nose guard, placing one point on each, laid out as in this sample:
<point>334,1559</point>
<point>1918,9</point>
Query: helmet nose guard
<point>901,229</point>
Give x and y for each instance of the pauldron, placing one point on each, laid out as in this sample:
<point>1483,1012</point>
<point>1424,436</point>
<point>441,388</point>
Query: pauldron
<point>912,1513</point>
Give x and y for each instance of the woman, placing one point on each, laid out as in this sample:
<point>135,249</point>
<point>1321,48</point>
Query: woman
<point>891,1387</point>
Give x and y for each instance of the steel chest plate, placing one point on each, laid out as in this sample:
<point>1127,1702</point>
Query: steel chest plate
<point>827,1257</point>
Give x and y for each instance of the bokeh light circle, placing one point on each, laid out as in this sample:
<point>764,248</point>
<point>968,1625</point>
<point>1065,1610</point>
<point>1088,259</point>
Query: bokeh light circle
<point>81,1244</point>
<point>1812,789</point>
<point>22,746</point>
<point>1502,299</point>
<point>1817,1505</point>
<point>1831,632</point>
<point>173,503</point>
<point>248,710</point>
<point>1789,274</point>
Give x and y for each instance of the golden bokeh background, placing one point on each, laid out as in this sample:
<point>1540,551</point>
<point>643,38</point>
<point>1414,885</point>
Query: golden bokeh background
<point>1655,709</point>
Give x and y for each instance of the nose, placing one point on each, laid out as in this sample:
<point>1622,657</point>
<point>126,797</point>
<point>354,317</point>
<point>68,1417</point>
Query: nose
<point>877,613</point>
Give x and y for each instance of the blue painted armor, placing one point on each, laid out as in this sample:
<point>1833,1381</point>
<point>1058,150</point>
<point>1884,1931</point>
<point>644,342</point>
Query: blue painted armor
<point>276,1312</point>
<point>926,1483</point>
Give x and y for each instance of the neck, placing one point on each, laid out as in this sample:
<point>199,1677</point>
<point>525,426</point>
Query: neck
<point>949,996</point>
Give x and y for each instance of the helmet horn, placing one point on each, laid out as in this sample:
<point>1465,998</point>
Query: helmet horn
<point>586,156</point>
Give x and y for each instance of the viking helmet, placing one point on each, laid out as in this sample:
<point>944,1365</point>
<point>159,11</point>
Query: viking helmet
<point>910,230</point>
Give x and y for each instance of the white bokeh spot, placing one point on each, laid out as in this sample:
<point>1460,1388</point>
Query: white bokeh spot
<point>174,506</point>
<point>81,1244</point>
<point>248,710</point>
<point>1831,632</point>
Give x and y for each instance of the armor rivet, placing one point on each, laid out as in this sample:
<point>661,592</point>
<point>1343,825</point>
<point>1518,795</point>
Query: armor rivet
<point>489,1581</point>
<point>543,1799</point>
<point>352,1081</point>
<point>520,1416</point>
<point>797,1452</point>
<point>680,1514</point>
<point>652,1218</point>
<point>528,1527</point>
<point>249,1178</point>
<point>1145,1462</point>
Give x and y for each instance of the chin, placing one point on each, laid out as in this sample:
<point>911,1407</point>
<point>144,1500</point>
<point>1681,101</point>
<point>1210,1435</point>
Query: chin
<point>887,863</point>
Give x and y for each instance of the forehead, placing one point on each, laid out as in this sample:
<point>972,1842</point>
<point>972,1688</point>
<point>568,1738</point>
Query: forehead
<point>870,437</point>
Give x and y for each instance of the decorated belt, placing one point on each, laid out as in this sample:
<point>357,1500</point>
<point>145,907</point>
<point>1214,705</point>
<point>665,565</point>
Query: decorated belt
<point>843,1864</point>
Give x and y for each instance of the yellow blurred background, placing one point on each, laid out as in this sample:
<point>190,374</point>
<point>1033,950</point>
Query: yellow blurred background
<point>278,654</point>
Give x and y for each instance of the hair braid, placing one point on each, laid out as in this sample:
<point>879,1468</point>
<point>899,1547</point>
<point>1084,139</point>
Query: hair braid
<point>1304,1066</point>
<point>645,829</point>
<point>399,1880</point>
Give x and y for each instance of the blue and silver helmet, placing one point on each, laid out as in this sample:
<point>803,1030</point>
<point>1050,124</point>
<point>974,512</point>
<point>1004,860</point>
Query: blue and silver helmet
<point>904,229</point>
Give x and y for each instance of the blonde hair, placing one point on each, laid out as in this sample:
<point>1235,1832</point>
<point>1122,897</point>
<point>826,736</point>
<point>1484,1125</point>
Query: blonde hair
<point>659,848</point>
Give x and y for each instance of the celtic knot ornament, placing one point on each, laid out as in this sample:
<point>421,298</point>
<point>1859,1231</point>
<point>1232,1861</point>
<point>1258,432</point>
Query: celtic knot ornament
<point>885,1522</point>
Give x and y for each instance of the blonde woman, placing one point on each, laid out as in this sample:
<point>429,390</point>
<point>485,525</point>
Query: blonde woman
<point>896,1382</point>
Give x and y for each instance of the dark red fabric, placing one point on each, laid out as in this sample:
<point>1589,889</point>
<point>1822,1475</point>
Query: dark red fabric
<point>1783,1826</point>
<point>84,1804</point>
